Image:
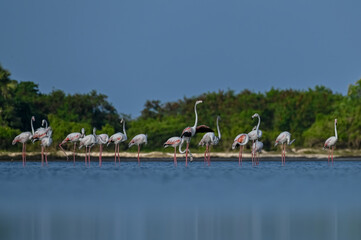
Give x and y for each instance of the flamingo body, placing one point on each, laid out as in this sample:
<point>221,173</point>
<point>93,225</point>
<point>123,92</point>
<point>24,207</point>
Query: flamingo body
<point>173,142</point>
<point>46,142</point>
<point>138,140</point>
<point>330,143</point>
<point>88,142</point>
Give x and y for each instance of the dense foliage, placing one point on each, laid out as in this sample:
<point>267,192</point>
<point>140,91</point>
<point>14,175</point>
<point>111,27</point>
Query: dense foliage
<point>307,114</point>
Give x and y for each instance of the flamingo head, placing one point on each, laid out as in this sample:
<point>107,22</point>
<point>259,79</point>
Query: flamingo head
<point>121,121</point>
<point>336,121</point>
<point>199,101</point>
<point>276,143</point>
<point>234,145</point>
<point>82,132</point>
<point>255,115</point>
<point>33,118</point>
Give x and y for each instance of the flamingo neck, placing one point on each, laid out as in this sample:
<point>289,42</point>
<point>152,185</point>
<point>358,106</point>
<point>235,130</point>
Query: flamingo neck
<point>219,131</point>
<point>32,128</point>
<point>335,130</point>
<point>259,122</point>
<point>124,129</point>
<point>46,123</point>
<point>195,111</point>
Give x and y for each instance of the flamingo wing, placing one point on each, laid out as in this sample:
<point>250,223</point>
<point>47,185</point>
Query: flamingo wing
<point>203,129</point>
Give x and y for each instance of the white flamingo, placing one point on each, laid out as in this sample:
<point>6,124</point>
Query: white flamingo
<point>40,132</point>
<point>209,139</point>
<point>88,141</point>
<point>118,138</point>
<point>189,132</point>
<point>101,139</point>
<point>45,143</point>
<point>330,143</point>
<point>73,138</point>
<point>173,142</point>
<point>255,134</point>
<point>241,140</point>
<point>257,147</point>
<point>284,138</point>
<point>23,138</point>
<point>138,140</point>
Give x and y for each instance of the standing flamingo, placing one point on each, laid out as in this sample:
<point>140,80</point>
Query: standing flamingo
<point>257,149</point>
<point>101,139</point>
<point>138,140</point>
<point>241,140</point>
<point>189,132</point>
<point>210,139</point>
<point>45,143</point>
<point>88,141</point>
<point>23,138</point>
<point>40,132</point>
<point>174,142</point>
<point>116,139</point>
<point>284,138</point>
<point>74,138</point>
<point>255,134</point>
<point>331,143</point>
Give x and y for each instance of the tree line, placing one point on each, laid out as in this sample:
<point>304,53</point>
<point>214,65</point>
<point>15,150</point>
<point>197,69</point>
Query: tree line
<point>307,114</point>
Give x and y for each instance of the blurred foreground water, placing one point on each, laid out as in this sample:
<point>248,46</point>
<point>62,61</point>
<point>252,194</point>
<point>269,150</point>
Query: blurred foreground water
<point>303,200</point>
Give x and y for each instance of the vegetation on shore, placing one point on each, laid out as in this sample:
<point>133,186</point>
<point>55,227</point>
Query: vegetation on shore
<point>307,114</point>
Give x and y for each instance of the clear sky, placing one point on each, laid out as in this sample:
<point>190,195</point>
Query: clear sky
<point>135,50</point>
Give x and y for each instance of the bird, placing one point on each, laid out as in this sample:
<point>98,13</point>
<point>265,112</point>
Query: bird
<point>138,140</point>
<point>189,132</point>
<point>330,143</point>
<point>45,142</point>
<point>116,139</point>
<point>255,134</point>
<point>241,140</point>
<point>74,138</point>
<point>209,139</point>
<point>88,141</point>
<point>23,138</point>
<point>101,139</point>
<point>256,149</point>
<point>284,138</point>
<point>40,132</point>
<point>173,142</point>
<point>184,151</point>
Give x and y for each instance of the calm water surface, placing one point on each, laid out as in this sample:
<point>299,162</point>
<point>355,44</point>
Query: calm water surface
<point>303,200</point>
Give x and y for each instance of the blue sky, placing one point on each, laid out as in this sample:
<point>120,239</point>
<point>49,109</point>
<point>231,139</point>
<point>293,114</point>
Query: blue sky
<point>133,50</point>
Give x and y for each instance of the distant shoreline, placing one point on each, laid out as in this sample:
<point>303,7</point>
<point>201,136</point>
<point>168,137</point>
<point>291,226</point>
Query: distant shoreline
<point>301,155</point>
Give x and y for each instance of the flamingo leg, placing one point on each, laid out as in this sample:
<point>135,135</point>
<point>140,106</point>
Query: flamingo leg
<point>74,153</point>
<point>22,155</point>
<point>329,153</point>
<point>118,155</point>
<point>332,154</point>
<point>187,154</point>
<point>115,154</point>
<point>205,155</point>
<point>86,155</point>
<point>42,156</point>
<point>89,156</point>
<point>240,156</point>
<point>209,156</point>
<point>25,153</point>
<point>46,157</point>
<point>175,156</point>
<point>67,159</point>
<point>100,155</point>
<point>138,155</point>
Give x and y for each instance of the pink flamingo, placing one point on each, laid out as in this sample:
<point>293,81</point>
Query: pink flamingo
<point>101,139</point>
<point>23,138</point>
<point>174,142</point>
<point>257,149</point>
<point>241,140</point>
<point>255,134</point>
<point>88,141</point>
<point>284,138</point>
<point>138,140</point>
<point>118,138</point>
<point>331,143</point>
<point>45,143</point>
<point>209,139</point>
<point>74,138</point>
<point>189,132</point>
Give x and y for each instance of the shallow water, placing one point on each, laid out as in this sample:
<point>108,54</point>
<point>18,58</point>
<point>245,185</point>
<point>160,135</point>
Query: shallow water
<point>302,200</point>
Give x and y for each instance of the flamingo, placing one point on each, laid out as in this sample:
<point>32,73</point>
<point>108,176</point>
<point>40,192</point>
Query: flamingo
<point>23,138</point>
<point>88,141</point>
<point>138,140</point>
<point>331,143</point>
<point>284,138</point>
<point>210,139</point>
<point>255,134</point>
<point>174,142</point>
<point>257,148</point>
<point>40,132</point>
<point>45,143</point>
<point>189,132</point>
<point>101,139</point>
<point>241,140</point>
<point>184,151</point>
<point>116,139</point>
<point>74,138</point>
